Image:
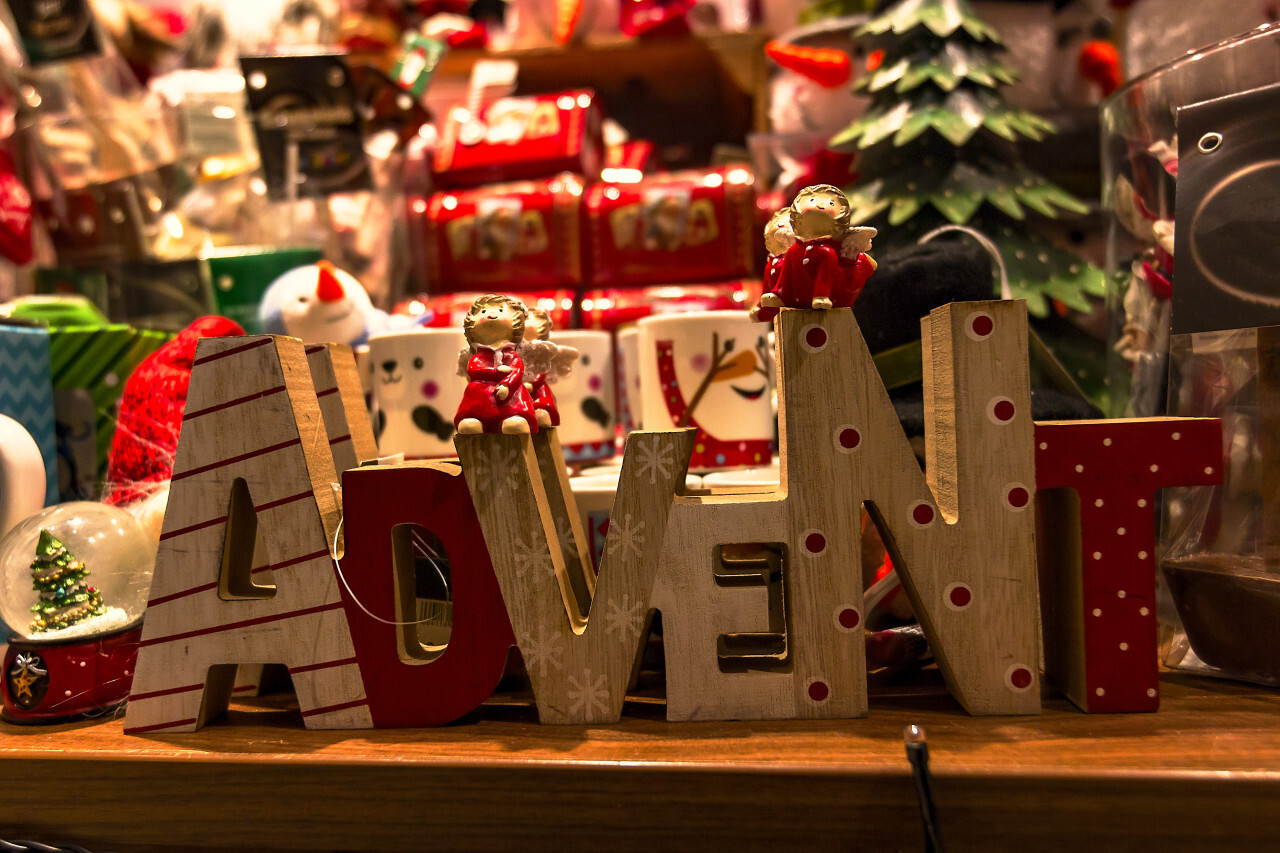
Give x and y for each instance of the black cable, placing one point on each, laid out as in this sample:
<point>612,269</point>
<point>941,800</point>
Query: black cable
<point>918,756</point>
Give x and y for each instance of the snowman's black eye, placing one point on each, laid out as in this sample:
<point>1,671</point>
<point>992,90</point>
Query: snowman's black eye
<point>585,360</point>
<point>303,299</point>
<point>417,363</point>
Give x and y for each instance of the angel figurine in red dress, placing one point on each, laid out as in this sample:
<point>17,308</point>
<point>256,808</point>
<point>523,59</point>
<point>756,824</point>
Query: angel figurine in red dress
<point>828,264</point>
<point>496,399</point>
<point>545,361</point>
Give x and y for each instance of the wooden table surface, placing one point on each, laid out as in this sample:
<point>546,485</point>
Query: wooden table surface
<point>1204,773</point>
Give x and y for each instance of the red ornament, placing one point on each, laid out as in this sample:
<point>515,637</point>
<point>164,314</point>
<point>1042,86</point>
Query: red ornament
<point>654,17</point>
<point>151,410</point>
<point>1099,63</point>
<point>15,214</point>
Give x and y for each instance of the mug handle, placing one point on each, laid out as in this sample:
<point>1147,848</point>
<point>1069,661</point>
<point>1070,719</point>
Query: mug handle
<point>22,475</point>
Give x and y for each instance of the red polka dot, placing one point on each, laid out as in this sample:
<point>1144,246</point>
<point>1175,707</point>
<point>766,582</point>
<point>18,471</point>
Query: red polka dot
<point>1003,410</point>
<point>1020,678</point>
<point>1018,497</point>
<point>815,542</point>
<point>961,596</point>
<point>816,338</point>
<point>849,438</point>
<point>818,691</point>
<point>923,514</point>
<point>849,618</point>
<point>982,325</point>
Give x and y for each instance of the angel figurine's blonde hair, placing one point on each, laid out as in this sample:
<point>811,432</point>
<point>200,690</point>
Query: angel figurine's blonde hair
<point>517,326</point>
<point>846,214</point>
<point>539,325</point>
<point>778,235</point>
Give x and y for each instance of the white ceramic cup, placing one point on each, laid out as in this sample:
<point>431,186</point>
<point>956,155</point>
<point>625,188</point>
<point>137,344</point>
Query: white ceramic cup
<point>416,389</point>
<point>710,370</point>
<point>588,427</point>
<point>22,477</point>
<point>746,478</point>
<point>628,374</point>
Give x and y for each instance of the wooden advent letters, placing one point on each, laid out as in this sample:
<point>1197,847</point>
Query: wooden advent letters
<point>243,572</point>
<point>256,445</point>
<point>962,541</point>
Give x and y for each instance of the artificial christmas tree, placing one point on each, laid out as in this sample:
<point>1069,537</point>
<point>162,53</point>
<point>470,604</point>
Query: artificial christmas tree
<point>938,147</point>
<point>65,600</point>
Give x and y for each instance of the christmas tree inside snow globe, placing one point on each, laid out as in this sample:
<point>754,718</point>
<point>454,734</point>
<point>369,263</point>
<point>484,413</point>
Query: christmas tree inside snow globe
<point>66,599</point>
<point>74,581</point>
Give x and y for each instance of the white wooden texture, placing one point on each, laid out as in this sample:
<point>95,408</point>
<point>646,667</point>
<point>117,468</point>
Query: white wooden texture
<point>567,521</point>
<point>346,419</point>
<point>983,543</point>
<point>579,663</point>
<point>251,412</point>
<point>974,460</point>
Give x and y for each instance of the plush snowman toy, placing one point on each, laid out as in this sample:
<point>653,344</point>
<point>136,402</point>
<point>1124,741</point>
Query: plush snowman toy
<point>320,304</point>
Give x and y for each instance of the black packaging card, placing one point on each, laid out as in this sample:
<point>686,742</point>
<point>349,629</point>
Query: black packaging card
<point>54,30</point>
<point>307,122</point>
<point>1225,245</point>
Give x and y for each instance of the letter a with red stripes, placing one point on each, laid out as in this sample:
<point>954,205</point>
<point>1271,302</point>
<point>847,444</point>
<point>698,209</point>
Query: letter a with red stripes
<point>244,573</point>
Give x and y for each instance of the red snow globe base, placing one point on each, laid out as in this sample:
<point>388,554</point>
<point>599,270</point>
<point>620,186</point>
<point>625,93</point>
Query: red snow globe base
<point>51,682</point>
<point>74,583</point>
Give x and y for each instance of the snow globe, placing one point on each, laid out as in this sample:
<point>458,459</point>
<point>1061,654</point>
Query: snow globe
<point>74,581</point>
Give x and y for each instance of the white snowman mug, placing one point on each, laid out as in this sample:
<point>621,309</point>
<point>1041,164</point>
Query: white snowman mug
<point>416,389</point>
<point>710,370</point>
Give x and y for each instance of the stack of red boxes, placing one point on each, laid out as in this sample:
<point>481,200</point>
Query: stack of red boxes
<point>520,206</point>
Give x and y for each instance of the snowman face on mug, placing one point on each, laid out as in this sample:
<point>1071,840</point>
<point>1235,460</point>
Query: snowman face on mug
<point>397,372</point>
<point>734,372</point>
<point>585,396</point>
<point>414,374</point>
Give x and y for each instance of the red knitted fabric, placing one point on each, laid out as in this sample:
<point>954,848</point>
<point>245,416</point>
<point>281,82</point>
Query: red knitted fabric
<point>150,417</point>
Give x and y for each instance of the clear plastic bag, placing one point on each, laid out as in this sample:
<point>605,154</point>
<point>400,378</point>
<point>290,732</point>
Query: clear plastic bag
<point>1221,544</point>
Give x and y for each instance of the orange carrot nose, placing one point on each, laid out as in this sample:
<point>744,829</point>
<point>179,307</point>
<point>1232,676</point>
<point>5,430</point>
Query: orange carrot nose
<point>328,289</point>
<point>742,364</point>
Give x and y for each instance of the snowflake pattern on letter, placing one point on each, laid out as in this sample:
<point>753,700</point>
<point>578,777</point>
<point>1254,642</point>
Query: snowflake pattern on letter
<point>497,469</point>
<point>542,651</point>
<point>532,561</point>
<point>656,459</point>
<point>624,619</point>
<point>625,536</point>
<point>587,695</point>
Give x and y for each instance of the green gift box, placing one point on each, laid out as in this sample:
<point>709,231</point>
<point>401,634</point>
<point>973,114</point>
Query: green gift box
<point>241,276</point>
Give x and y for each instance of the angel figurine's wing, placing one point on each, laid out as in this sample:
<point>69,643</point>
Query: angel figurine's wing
<point>464,355</point>
<point>563,362</point>
<point>537,357</point>
<point>856,240</point>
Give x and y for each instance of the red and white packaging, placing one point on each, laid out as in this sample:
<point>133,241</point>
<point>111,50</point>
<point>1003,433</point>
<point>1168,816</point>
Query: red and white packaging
<point>448,310</point>
<point>611,308</point>
<point>506,238</point>
<point>519,138</point>
<point>678,227</point>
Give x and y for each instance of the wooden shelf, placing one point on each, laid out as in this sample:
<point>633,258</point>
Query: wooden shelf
<point>687,94</point>
<point>1202,774</point>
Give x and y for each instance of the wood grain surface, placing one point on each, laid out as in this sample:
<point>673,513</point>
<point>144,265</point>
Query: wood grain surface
<point>1203,774</point>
